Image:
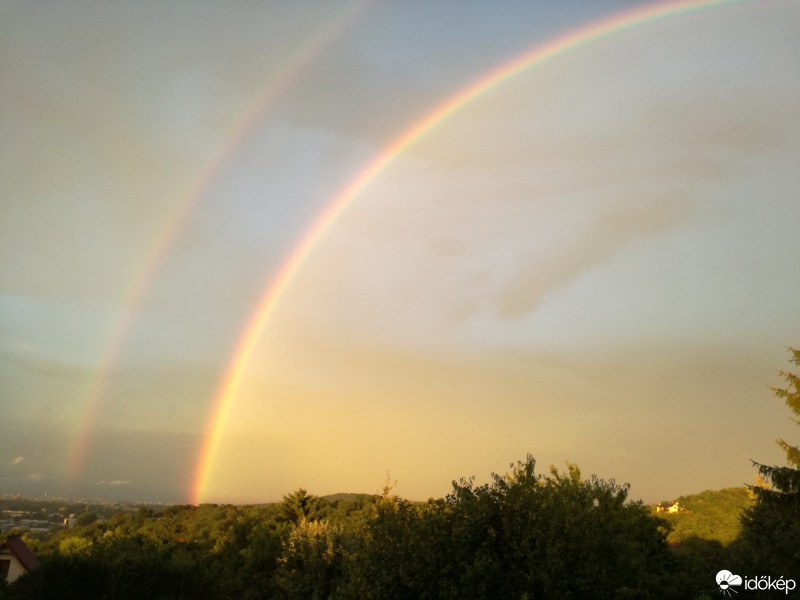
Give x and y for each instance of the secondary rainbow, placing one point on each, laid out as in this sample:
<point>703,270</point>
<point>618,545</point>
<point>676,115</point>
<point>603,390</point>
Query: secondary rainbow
<point>174,225</point>
<point>276,287</point>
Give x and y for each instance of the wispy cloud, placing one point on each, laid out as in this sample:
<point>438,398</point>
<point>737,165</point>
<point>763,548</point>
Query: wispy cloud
<point>114,482</point>
<point>17,460</point>
<point>602,238</point>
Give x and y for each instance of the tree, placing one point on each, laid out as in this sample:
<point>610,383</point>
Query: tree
<point>403,552</point>
<point>556,536</point>
<point>301,505</point>
<point>785,481</point>
<point>771,526</point>
<point>523,535</point>
<point>311,562</point>
<point>73,546</point>
<point>253,551</point>
<point>792,397</point>
<point>86,518</point>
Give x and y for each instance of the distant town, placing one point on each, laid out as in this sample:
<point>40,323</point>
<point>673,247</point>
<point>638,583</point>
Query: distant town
<point>47,512</point>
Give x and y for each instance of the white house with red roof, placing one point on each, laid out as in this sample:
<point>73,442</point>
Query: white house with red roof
<point>16,559</point>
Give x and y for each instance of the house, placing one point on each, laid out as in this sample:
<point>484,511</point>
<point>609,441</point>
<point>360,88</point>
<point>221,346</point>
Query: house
<point>667,507</point>
<point>16,559</point>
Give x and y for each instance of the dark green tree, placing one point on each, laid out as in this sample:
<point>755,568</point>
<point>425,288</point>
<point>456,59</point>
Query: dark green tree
<point>402,553</point>
<point>258,546</point>
<point>785,481</point>
<point>301,505</point>
<point>556,536</point>
<point>523,535</point>
<point>86,518</point>
<point>771,526</point>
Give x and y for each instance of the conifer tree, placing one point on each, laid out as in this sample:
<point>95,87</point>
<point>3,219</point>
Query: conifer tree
<point>785,481</point>
<point>771,526</point>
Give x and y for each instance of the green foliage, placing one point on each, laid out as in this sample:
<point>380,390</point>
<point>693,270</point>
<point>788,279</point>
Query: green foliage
<point>710,515</point>
<point>785,481</point>
<point>120,568</point>
<point>393,557</point>
<point>696,561</point>
<point>75,546</point>
<point>86,518</point>
<point>791,395</point>
<point>521,535</point>
<point>771,527</point>
<point>301,505</point>
<point>311,561</point>
<point>257,548</point>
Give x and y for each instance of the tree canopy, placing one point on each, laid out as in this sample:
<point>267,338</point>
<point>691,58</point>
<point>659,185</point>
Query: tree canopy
<point>771,527</point>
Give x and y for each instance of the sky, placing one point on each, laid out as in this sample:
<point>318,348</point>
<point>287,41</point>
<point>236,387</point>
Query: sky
<point>255,246</point>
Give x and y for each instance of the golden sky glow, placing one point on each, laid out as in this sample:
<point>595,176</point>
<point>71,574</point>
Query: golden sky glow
<point>590,262</point>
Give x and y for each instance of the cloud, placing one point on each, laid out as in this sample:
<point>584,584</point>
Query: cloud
<point>114,482</point>
<point>33,477</point>
<point>600,239</point>
<point>17,460</point>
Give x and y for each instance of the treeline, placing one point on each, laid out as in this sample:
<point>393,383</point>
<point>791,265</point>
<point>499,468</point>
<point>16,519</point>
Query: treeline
<point>523,535</point>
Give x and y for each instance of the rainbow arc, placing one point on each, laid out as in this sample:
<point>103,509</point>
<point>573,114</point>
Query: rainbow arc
<point>277,286</point>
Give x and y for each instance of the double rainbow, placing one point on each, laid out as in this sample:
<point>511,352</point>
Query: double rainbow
<point>175,222</point>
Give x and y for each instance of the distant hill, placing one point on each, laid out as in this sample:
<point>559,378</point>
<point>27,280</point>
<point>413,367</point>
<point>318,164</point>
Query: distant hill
<point>335,498</point>
<point>709,515</point>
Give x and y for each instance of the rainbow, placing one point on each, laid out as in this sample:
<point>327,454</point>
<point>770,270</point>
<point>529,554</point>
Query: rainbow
<point>276,287</point>
<point>175,223</point>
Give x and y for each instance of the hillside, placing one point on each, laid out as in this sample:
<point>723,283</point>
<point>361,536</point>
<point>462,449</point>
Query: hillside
<point>709,515</point>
